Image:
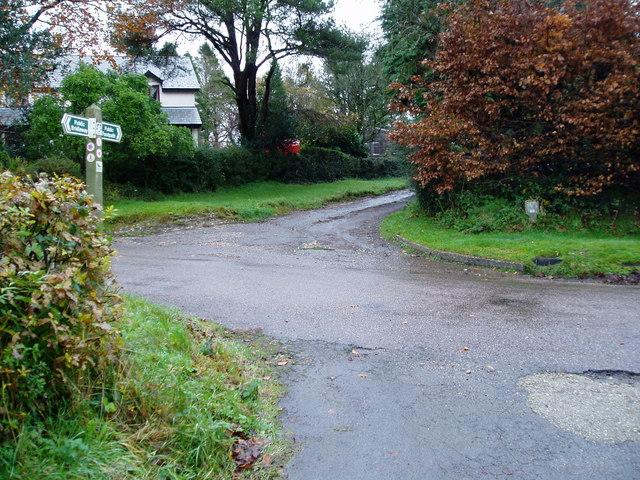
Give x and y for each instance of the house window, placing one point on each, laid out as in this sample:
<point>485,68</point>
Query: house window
<point>376,148</point>
<point>154,92</point>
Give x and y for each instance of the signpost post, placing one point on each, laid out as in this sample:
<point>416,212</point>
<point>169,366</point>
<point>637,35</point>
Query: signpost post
<point>93,154</point>
<point>96,131</point>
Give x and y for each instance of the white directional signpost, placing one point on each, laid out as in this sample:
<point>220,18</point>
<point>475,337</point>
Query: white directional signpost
<point>110,132</point>
<point>75,125</point>
<point>96,131</point>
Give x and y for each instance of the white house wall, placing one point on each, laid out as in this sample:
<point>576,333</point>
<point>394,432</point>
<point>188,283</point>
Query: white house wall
<point>170,98</point>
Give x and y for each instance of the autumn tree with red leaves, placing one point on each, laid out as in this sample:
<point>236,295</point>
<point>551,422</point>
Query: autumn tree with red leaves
<point>551,95</point>
<point>34,34</point>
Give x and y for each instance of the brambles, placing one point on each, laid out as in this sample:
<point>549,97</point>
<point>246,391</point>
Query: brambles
<point>57,299</point>
<point>524,91</point>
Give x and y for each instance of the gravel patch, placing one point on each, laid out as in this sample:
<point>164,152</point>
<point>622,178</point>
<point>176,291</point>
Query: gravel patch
<point>600,411</point>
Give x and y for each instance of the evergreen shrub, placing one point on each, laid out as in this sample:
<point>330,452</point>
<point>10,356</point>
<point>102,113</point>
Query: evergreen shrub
<point>209,169</point>
<point>378,167</point>
<point>318,164</point>
<point>334,136</point>
<point>56,165</point>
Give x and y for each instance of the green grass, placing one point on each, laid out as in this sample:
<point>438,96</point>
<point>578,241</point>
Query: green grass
<point>187,392</point>
<point>248,202</point>
<point>583,253</point>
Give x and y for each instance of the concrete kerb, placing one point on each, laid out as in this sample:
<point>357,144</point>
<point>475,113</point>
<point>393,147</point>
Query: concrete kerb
<point>459,258</point>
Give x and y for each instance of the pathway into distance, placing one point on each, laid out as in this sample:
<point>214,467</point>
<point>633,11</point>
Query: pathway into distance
<point>407,368</point>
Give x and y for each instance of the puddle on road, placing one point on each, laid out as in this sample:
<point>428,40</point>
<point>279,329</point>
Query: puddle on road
<point>315,246</point>
<point>598,410</point>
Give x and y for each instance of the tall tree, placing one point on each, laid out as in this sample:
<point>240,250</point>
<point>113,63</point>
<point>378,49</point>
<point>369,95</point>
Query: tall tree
<point>278,123</point>
<point>246,34</point>
<point>411,29</point>
<point>307,91</point>
<point>34,33</point>
<point>25,54</point>
<point>358,91</point>
<point>215,101</point>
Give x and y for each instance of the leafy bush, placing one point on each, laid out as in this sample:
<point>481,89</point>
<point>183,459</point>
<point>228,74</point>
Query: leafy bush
<point>475,215</point>
<point>152,154</point>
<point>523,90</point>
<point>57,300</point>
<point>56,165</point>
<point>236,166</point>
<point>317,164</point>
<point>474,211</point>
<point>334,136</point>
<point>173,170</point>
<point>209,169</point>
<point>16,165</point>
<point>239,165</point>
<point>377,167</point>
<point>44,136</point>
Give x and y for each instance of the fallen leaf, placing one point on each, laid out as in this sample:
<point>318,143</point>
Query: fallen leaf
<point>405,323</point>
<point>355,352</point>
<point>363,375</point>
<point>246,452</point>
<point>266,459</point>
<point>490,368</point>
<point>283,363</point>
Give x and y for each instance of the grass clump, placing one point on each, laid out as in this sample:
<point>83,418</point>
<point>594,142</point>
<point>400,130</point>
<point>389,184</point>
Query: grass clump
<point>250,202</point>
<point>585,251</point>
<point>186,395</point>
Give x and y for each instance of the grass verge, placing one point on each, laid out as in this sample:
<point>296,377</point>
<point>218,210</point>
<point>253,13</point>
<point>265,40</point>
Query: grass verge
<point>248,202</point>
<point>583,253</point>
<point>192,401</point>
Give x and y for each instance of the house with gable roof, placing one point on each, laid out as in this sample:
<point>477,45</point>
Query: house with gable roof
<point>172,81</point>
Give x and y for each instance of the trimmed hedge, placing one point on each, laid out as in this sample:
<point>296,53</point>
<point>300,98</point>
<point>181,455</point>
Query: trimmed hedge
<point>238,165</point>
<point>318,164</point>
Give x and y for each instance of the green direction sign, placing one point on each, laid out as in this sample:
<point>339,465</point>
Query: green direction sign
<point>75,125</point>
<point>111,132</point>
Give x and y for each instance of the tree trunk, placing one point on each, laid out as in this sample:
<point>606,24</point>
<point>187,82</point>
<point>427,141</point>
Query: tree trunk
<point>246,93</point>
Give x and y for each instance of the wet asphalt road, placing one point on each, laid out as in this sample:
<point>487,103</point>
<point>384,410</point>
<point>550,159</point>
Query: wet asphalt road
<point>408,368</point>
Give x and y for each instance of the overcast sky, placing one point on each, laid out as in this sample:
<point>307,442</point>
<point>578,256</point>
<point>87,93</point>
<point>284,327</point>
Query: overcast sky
<point>358,15</point>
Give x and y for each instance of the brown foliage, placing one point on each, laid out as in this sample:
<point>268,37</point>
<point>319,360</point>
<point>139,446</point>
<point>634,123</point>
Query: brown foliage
<point>525,90</point>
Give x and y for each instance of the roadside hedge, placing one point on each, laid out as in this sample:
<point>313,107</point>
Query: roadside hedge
<point>237,165</point>
<point>57,298</point>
